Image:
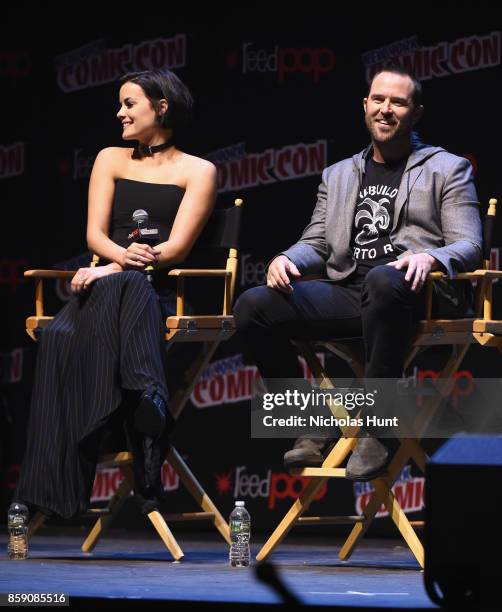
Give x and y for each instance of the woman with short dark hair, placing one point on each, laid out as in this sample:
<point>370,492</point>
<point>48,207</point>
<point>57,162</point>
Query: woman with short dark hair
<point>101,360</point>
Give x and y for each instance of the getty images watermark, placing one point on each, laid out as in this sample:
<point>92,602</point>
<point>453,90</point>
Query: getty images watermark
<point>335,401</point>
<point>398,408</point>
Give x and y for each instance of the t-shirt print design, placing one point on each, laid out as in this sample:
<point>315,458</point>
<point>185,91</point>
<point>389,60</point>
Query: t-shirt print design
<point>376,216</point>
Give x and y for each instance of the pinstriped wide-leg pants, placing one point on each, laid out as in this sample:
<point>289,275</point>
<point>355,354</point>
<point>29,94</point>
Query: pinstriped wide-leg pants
<point>98,345</point>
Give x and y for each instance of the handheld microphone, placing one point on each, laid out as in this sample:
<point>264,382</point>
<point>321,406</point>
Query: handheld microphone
<point>144,233</point>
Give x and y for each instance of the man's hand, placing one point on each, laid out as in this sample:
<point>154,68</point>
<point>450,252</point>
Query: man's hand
<point>137,256</point>
<point>417,268</point>
<point>280,271</point>
<point>86,276</point>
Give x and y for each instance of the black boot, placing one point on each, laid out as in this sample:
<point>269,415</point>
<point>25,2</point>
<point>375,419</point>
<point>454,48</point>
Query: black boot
<point>152,417</point>
<point>148,451</point>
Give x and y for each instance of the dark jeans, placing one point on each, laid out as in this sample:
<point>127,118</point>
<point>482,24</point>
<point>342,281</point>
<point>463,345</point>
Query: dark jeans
<point>381,308</point>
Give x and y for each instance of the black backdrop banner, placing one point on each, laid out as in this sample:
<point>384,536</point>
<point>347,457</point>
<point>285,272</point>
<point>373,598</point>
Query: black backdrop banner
<point>275,104</point>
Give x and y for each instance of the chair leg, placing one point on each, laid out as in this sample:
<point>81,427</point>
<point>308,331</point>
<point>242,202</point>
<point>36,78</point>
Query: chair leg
<point>409,448</point>
<point>308,353</point>
<point>296,510</point>
<point>372,507</point>
<point>428,410</point>
<point>197,492</point>
<point>400,519</point>
<point>352,358</point>
<point>339,452</point>
<point>192,375</point>
<point>416,452</point>
<point>114,506</point>
<point>336,456</point>
<point>383,494</point>
<point>36,523</point>
<point>166,534</point>
<point>382,486</point>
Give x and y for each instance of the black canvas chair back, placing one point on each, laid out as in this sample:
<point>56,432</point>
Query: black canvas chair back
<point>222,230</point>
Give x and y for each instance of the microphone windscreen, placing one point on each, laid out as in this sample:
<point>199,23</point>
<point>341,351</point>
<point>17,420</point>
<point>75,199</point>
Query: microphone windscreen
<point>140,215</point>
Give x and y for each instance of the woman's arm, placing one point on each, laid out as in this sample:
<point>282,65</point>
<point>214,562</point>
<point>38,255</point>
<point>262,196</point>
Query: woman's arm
<point>84,277</point>
<point>194,211</point>
<point>101,192</point>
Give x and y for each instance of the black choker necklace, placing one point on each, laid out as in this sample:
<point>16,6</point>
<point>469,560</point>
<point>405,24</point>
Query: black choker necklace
<point>142,150</point>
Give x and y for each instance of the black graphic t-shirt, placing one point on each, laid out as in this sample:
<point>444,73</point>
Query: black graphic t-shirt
<point>370,242</point>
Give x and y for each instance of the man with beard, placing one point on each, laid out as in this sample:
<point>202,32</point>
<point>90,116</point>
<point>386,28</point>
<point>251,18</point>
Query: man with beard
<point>384,219</point>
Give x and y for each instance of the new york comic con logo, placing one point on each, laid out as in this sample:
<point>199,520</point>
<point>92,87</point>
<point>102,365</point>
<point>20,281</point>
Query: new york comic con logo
<point>229,380</point>
<point>408,489</point>
<point>441,59</point>
<point>273,487</point>
<point>93,64</point>
<point>238,169</point>
<point>108,480</point>
<point>313,62</point>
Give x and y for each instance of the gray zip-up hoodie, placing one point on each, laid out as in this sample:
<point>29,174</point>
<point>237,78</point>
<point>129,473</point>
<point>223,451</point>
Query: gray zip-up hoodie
<point>436,211</point>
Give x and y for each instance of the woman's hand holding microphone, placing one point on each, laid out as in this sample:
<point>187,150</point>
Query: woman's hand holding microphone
<point>137,256</point>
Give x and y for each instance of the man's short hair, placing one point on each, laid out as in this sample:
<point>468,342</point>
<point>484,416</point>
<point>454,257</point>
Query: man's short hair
<point>417,95</point>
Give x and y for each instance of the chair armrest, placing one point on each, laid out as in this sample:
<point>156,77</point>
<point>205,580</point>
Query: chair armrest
<point>484,293</point>
<point>50,273</point>
<point>466,275</point>
<point>39,275</point>
<point>197,272</point>
<point>479,274</point>
<point>201,273</point>
<point>436,275</point>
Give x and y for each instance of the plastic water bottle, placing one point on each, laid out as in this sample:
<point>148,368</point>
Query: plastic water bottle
<point>240,532</point>
<point>17,525</point>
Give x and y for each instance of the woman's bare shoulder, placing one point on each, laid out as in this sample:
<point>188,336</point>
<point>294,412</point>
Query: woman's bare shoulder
<point>117,154</point>
<point>113,159</point>
<point>198,166</point>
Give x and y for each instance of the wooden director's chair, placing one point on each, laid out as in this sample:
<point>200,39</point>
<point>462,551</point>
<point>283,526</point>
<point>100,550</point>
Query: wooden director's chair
<point>459,334</point>
<point>221,231</point>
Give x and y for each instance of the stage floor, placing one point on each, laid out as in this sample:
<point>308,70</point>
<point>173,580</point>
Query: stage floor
<point>381,573</point>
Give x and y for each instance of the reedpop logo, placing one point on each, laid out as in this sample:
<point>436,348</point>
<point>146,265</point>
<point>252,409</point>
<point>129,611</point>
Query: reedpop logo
<point>283,61</point>
<point>463,385</point>
<point>273,487</point>
<point>252,272</point>
<point>12,273</point>
<point>79,168</point>
<point>15,65</point>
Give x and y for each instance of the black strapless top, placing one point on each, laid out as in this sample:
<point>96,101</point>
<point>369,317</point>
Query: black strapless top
<point>160,201</point>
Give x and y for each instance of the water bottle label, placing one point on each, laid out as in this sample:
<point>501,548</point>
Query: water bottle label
<point>236,526</point>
